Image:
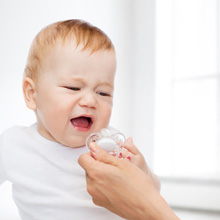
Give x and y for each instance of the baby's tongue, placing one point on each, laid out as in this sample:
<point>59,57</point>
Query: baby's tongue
<point>80,122</point>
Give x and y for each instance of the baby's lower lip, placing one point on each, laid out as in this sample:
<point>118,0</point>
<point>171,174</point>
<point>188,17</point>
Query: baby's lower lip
<point>81,129</point>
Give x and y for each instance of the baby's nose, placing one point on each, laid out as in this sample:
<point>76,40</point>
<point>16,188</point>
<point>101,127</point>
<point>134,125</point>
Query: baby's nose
<point>88,99</point>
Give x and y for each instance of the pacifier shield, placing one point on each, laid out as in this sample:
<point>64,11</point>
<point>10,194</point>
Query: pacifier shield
<point>108,139</point>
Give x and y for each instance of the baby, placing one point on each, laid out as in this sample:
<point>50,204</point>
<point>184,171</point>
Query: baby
<point>68,83</point>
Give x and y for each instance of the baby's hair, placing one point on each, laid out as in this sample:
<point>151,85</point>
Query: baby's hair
<point>80,32</point>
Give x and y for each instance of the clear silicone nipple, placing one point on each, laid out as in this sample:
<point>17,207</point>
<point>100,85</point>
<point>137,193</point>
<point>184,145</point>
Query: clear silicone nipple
<point>108,139</point>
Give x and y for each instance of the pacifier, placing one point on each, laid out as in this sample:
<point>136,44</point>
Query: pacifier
<point>109,139</point>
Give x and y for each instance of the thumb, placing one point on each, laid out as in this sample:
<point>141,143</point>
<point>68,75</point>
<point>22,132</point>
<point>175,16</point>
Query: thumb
<point>86,161</point>
<point>102,156</point>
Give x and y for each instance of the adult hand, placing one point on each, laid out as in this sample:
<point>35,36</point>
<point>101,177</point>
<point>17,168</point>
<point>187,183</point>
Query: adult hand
<point>123,188</point>
<point>135,156</point>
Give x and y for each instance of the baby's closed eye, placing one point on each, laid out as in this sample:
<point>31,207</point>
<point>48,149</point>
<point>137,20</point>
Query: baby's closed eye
<point>73,88</point>
<point>103,93</point>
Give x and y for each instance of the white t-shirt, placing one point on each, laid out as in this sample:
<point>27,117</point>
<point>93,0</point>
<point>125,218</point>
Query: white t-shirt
<point>47,181</point>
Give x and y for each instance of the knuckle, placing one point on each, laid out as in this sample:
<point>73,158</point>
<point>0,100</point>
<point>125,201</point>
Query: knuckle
<point>96,202</point>
<point>94,174</point>
<point>90,190</point>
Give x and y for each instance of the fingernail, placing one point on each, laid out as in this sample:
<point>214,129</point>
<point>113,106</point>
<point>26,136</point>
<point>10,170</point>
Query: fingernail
<point>130,139</point>
<point>129,158</point>
<point>93,147</point>
<point>94,150</point>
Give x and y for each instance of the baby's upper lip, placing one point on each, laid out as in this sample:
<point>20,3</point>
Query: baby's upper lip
<point>85,116</point>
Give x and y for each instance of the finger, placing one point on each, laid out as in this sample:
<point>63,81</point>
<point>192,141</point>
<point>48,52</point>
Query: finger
<point>125,154</point>
<point>103,156</point>
<point>86,161</point>
<point>129,145</point>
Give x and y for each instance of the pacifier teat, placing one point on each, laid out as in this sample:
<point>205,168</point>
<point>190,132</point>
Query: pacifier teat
<point>109,139</point>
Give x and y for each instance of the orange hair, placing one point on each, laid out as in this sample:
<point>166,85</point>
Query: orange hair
<point>81,32</point>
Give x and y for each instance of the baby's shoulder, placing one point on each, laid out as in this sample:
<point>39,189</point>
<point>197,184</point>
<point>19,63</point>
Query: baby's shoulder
<point>15,132</point>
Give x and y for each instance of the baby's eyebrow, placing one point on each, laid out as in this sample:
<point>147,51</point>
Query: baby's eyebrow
<point>105,84</point>
<point>78,79</point>
<point>83,81</point>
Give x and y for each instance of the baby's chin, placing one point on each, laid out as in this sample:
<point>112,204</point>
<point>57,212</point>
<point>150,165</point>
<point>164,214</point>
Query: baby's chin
<point>74,145</point>
<point>78,142</point>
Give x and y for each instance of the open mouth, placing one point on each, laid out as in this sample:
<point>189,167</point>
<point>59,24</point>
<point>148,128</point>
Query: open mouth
<point>82,123</point>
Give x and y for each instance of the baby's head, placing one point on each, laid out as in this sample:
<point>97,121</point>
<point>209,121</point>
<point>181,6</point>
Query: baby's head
<point>69,81</point>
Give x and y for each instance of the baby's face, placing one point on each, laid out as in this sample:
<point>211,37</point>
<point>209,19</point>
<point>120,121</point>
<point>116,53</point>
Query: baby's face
<point>74,94</point>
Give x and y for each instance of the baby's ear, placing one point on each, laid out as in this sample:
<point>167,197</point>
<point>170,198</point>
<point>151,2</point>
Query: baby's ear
<point>29,91</point>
